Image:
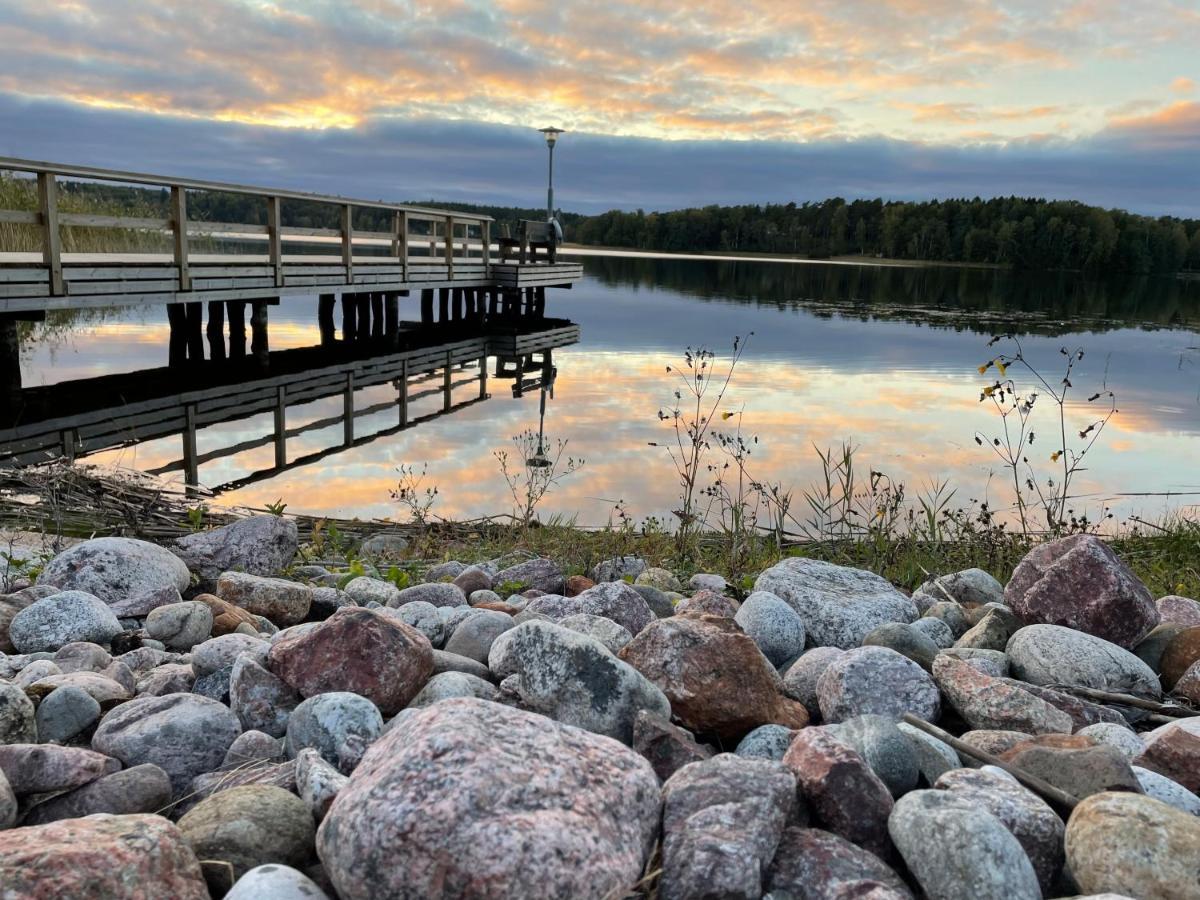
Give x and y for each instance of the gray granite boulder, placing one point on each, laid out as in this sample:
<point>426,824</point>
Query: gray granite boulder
<point>474,636</point>
<point>936,630</point>
<point>766,742</point>
<point>603,629</point>
<point>261,699</point>
<point>276,882</point>
<point>1052,654</point>
<point>617,601</point>
<point>180,626</point>
<point>64,713</point>
<point>1160,787</point>
<point>18,723</point>
<point>283,602</point>
<point>970,587</point>
<point>951,842</point>
<point>883,747</point>
<point>800,679</point>
<point>988,703</point>
<point>574,679</point>
<point>116,569</point>
<point>217,653</point>
<point>365,589</point>
<point>259,545</point>
<point>907,640</point>
<point>183,734</point>
<point>61,619</point>
<point>438,593</point>
<point>468,798</point>
<point>139,789</point>
<point>338,725</point>
<point>839,606</point>
<point>540,574</point>
<point>425,617</point>
<point>879,681</point>
<point>618,568</point>
<point>722,820</point>
<point>933,757</point>
<point>773,625</point>
<point>453,684</point>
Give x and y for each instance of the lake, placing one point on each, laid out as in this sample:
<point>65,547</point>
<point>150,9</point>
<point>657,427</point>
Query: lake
<point>883,357</point>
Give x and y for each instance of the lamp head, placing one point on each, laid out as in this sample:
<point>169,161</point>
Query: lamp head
<point>551,135</point>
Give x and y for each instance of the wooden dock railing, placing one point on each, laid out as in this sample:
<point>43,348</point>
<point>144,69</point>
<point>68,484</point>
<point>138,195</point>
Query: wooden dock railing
<point>415,237</point>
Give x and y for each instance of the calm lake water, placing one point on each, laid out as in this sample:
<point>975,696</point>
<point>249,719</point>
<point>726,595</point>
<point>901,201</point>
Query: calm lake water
<point>885,358</point>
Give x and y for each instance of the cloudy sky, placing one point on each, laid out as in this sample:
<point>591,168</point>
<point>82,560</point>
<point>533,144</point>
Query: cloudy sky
<point>668,103</point>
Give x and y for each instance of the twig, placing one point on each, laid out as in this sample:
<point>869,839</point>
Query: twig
<point>1179,712</point>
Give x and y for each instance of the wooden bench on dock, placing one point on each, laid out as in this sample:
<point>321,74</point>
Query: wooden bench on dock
<point>531,237</point>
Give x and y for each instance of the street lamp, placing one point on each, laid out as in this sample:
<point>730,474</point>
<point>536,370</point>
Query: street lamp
<point>551,137</point>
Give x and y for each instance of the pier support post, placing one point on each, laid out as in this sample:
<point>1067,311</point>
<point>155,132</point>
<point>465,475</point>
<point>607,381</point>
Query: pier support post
<point>10,361</point>
<point>539,298</point>
<point>363,302</point>
<point>325,306</point>
<point>258,330</point>
<point>427,306</point>
<point>235,310</point>
<point>177,342</point>
<point>377,322</point>
<point>349,317</point>
<point>443,304</point>
<point>216,329</point>
<point>194,313</point>
<point>457,315</point>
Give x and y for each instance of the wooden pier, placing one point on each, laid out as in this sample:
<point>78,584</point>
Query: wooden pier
<point>377,249</point>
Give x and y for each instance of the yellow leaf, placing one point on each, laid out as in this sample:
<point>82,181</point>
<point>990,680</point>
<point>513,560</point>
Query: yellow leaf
<point>1055,455</point>
<point>988,391</point>
<point>727,415</point>
<point>983,368</point>
<point>1002,368</point>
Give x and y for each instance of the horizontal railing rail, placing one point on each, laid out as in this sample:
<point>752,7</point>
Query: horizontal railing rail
<point>416,235</point>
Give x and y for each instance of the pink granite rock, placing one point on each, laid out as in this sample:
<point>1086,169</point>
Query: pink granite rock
<point>468,798</point>
<point>1079,582</point>
<point>819,864</point>
<point>360,651</point>
<point>1173,751</point>
<point>142,857</point>
<point>1179,610</point>
<point>989,703</point>
<point>42,768</point>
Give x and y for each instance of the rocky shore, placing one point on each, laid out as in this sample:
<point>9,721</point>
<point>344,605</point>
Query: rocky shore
<point>210,718</point>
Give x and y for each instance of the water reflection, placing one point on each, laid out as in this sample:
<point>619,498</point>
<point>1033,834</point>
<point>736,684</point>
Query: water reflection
<point>885,358</point>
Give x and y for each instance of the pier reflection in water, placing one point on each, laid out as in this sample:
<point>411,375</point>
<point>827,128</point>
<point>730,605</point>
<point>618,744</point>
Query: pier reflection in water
<point>376,367</point>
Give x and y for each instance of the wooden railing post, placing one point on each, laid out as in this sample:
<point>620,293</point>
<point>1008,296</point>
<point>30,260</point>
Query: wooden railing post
<point>450,247</point>
<point>400,241</point>
<point>275,238</point>
<point>348,241</point>
<point>51,239</point>
<point>179,230</point>
<point>486,232</point>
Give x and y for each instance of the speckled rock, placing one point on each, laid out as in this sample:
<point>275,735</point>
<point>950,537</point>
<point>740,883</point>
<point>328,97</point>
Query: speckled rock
<point>276,882</point>
<point>423,616</point>
<point>660,604</point>
<point>65,712</point>
<point>766,742</point>
<point>991,632</point>
<point>933,758</point>
<point>1121,737</point>
<point>236,830</point>
<point>364,589</point>
<point>453,684</point>
<point>1174,751</point>
<point>879,681</point>
<point>317,782</point>
<point>338,725</point>
<point>773,625</point>
<point>567,813</point>
<point>61,619</point>
<point>139,789</point>
<point>993,741</point>
<point>183,734</point>
<point>722,820</point>
<point>882,747</point>
<point>604,630</point>
<point>18,722</point>
<point>226,616</point>
<point>843,794</point>
<point>42,768</point>
<point>906,640</point>
<point>663,579</point>
<point>1160,787</point>
<point>542,574</point>
<point>990,662</point>
<point>1134,845</point>
<point>840,606</point>
<point>259,545</point>
<point>950,842</point>
<point>709,603</point>
<point>115,569</point>
<point>667,747</point>
<point>283,602</point>
<point>951,615</point>
<point>936,630</point>
<point>1077,765</point>
<point>356,650</point>
<point>8,803</point>
<point>180,626</point>
<point>1082,712</point>
<point>219,652</point>
<point>1052,654</point>
<point>618,568</point>
<point>1079,582</point>
<point>574,679</point>
<point>970,587</point>
<point>171,678</point>
<point>715,677</point>
<point>1179,655</point>
<point>261,700</point>
<point>474,636</point>
<point>1032,822</point>
<point>819,865</point>
<point>800,680</point>
<point>617,601</point>
<point>989,703</point>
<point>1178,610</point>
<point>452,662</point>
<point>253,745</point>
<point>140,857</point>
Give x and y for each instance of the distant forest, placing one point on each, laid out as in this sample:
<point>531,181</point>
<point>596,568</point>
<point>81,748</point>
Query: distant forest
<point>1016,232</point>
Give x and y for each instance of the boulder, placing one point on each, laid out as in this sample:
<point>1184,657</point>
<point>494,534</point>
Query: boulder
<point>1052,654</point>
<point>1135,846</point>
<point>236,830</point>
<point>1077,765</point>
<point>933,758</point>
<point>574,679</point>
<point>878,681</point>
<point>276,882</point>
<point>470,798</point>
<point>216,653</point>
<point>64,713</point>
<point>667,747</point>
<point>883,747</point>
<point>1082,712</point>
<point>710,603</point>
<point>953,844</point>
<point>116,569</point>
<point>989,703</point>
<point>183,734</point>
<point>839,606</point>
<point>1122,737</point>
<point>907,640</point>
<point>766,742</point>
<point>618,568</point>
<point>43,768</point>
<point>436,594</point>
<point>261,700</point>
<point>715,677</point>
<point>18,717</point>
<point>841,791</point>
<point>722,820</point>
<point>356,650</point>
<point>1173,751</point>
<point>800,680</point>
<point>338,725</point>
<point>474,636</point>
<point>62,619</point>
<point>252,746</point>
<point>258,545</point>
<point>970,587</point>
<point>425,617</point>
<point>1078,582</point>
<point>283,602</point>
<point>317,782</point>
<point>661,579</point>
<point>364,589</point>
<point>541,574</point>
<point>1180,654</point>
<point>936,630</point>
<point>180,626</point>
<point>1178,610</point>
<point>1160,787</point>
<point>138,789</point>
<point>816,864</point>
<point>604,630</point>
<point>9,804</point>
<point>112,857</point>
<point>453,684</point>
<point>773,625</point>
<point>226,616</point>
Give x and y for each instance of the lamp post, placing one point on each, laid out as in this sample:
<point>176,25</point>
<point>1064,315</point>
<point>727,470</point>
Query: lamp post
<point>551,137</point>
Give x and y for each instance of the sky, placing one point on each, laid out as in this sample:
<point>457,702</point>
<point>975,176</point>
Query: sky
<point>667,103</point>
